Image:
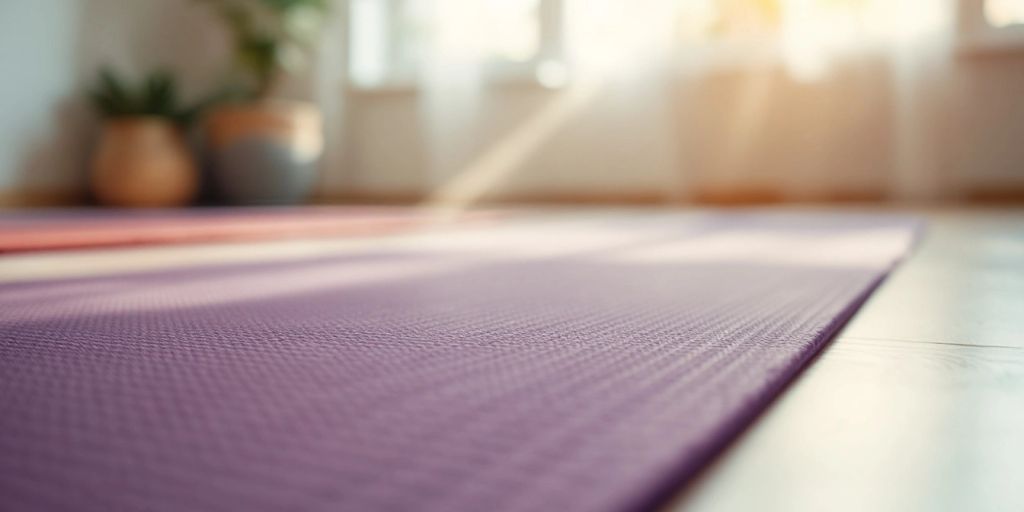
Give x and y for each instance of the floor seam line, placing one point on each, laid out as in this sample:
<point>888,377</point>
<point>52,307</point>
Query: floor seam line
<point>928,342</point>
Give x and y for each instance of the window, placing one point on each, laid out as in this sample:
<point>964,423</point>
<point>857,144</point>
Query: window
<point>1004,13</point>
<point>755,21</point>
<point>805,34</point>
<point>991,25</point>
<point>392,41</point>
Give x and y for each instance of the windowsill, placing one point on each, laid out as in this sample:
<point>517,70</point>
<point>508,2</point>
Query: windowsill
<point>976,37</point>
<point>403,88</point>
<point>500,77</point>
<point>769,56</point>
<point>384,88</point>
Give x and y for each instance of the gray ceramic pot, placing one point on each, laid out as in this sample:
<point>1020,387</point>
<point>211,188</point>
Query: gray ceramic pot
<point>266,152</point>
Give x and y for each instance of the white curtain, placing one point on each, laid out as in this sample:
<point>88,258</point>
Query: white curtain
<point>838,100</point>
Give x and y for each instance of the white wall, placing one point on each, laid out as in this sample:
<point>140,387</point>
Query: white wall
<point>937,128</point>
<point>610,133</point>
<point>51,50</point>
<point>619,144</point>
<point>864,131</point>
<point>38,152</point>
<point>907,120</point>
<point>947,128</point>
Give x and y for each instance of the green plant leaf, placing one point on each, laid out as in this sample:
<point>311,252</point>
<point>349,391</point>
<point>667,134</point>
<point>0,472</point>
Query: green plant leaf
<point>155,95</point>
<point>118,100</point>
<point>268,35</point>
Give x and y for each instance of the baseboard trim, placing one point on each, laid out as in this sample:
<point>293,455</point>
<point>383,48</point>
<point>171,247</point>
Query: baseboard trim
<point>748,197</point>
<point>1000,196</point>
<point>40,199</point>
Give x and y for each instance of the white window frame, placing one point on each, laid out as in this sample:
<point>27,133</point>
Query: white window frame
<point>398,77</point>
<point>976,36</point>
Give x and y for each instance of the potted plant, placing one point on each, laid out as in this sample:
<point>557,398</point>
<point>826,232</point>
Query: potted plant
<point>265,149</point>
<point>142,159</point>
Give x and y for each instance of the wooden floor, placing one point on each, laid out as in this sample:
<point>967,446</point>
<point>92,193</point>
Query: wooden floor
<point>917,406</point>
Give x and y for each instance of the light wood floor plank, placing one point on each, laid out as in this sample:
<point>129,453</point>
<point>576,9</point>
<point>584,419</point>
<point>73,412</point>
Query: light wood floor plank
<point>918,406</point>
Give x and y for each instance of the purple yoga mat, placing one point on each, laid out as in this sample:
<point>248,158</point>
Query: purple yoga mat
<point>584,364</point>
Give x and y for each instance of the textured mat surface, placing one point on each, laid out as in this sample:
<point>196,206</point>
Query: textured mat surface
<point>566,366</point>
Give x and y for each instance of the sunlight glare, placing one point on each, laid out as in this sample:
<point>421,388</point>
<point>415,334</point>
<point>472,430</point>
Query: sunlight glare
<point>1004,13</point>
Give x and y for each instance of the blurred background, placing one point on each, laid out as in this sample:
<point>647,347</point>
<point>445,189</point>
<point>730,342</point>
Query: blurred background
<point>461,102</point>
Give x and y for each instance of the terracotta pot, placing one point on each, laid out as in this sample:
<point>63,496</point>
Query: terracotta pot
<point>143,162</point>
<point>265,152</point>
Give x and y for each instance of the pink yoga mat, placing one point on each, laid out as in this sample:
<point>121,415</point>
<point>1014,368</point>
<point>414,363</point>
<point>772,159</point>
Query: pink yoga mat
<point>73,229</point>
